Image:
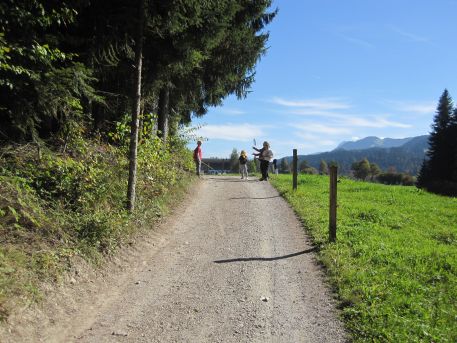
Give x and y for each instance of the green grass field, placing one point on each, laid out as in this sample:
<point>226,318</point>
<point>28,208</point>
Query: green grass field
<point>394,264</point>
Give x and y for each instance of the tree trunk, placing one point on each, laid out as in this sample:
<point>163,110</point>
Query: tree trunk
<point>135,110</point>
<point>162,120</point>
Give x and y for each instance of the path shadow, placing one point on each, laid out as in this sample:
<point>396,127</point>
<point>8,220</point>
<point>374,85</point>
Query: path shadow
<point>247,259</point>
<point>248,198</point>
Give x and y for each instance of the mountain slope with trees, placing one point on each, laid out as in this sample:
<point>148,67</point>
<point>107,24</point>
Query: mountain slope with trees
<point>406,158</point>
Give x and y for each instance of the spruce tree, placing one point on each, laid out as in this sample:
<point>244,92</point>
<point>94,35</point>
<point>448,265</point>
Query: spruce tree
<point>437,169</point>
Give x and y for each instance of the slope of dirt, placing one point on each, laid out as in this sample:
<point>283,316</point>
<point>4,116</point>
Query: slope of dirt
<point>233,265</point>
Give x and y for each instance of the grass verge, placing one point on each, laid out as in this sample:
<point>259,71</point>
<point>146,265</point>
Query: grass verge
<point>394,264</point>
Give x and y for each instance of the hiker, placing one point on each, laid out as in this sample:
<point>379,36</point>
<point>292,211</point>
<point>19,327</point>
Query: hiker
<point>198,157</point>
<point>243,159</point>
<point>265,155</point>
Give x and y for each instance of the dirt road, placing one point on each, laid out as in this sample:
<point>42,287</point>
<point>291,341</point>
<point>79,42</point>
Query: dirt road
<point>233,265</point>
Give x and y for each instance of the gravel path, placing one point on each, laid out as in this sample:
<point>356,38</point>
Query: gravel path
<point>233,266</point>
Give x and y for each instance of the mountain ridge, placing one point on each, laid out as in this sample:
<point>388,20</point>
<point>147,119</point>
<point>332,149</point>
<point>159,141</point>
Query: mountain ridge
<point>373,142</point>
<point>406,157</point>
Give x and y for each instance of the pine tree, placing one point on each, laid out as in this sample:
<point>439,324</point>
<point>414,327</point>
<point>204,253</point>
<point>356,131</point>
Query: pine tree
<point>437,168</point>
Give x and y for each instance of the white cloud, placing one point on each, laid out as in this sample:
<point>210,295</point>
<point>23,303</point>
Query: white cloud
<point>313,104</point>
<point>231,132</point>
<point>314,112</point>
<point>415,107</point>
<point>374,122</point>
<point>411,36</point>
<point>320,128</point>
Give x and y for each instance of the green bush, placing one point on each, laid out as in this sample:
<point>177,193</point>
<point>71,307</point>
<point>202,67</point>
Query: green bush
<point>55,205</point>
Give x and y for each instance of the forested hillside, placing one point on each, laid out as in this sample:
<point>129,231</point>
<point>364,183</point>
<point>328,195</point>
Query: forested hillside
<point>406,158</point>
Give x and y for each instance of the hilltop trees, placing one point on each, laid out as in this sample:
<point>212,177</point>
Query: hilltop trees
<point>438,172</point>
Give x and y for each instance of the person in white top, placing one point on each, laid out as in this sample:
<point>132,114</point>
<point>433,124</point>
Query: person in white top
<point>265,155</point>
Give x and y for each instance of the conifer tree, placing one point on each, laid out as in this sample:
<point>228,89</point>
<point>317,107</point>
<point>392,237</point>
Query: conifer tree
<point>437,168</point>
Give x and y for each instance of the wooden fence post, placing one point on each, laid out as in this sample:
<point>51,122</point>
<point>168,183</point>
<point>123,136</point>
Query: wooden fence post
<point>294,169</point>
<point>333,204</point>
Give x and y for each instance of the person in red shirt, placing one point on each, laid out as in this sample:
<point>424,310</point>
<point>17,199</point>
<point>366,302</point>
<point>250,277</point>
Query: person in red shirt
<point>198,157</point>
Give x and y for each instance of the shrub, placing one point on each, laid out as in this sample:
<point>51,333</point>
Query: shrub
<point>392,178</point>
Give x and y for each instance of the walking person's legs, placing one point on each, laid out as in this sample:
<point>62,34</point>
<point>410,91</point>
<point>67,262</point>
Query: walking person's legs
<point>198,166</point>
<point>264,169</point>
<point>244,171</point>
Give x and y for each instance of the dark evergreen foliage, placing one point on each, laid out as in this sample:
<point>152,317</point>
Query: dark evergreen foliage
<point>195,52</point>
<point>438,169</point>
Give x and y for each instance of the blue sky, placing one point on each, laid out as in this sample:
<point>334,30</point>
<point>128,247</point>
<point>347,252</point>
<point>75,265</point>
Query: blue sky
<point>341,70</point>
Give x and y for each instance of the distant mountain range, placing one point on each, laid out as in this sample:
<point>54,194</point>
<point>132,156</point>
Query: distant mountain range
<point>373,142</point>
<point>405,155</point>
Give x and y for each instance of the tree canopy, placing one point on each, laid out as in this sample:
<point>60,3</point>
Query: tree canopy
<point>73,61</point>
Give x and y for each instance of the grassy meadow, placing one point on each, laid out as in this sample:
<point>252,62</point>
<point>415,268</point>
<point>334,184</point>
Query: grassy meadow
<point>394,265</point>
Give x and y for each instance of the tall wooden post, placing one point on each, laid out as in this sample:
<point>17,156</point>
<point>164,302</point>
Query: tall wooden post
<point>333,204</point>
<point>295,169</point>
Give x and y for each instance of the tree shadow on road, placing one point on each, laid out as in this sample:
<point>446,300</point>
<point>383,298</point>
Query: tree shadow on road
<point>247,259</point>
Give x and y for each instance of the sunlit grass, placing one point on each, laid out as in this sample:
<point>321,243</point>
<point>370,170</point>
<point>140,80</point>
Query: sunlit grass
<point>394,264</point>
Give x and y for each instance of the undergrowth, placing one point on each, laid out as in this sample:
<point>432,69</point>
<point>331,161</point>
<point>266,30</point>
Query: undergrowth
<point>55,205</point>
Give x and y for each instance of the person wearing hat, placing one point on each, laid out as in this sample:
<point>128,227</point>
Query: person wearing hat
<point>265,155</point>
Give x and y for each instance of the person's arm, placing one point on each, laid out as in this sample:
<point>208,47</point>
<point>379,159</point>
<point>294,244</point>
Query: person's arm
<point>200,154</point>
<point>255,148</point>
